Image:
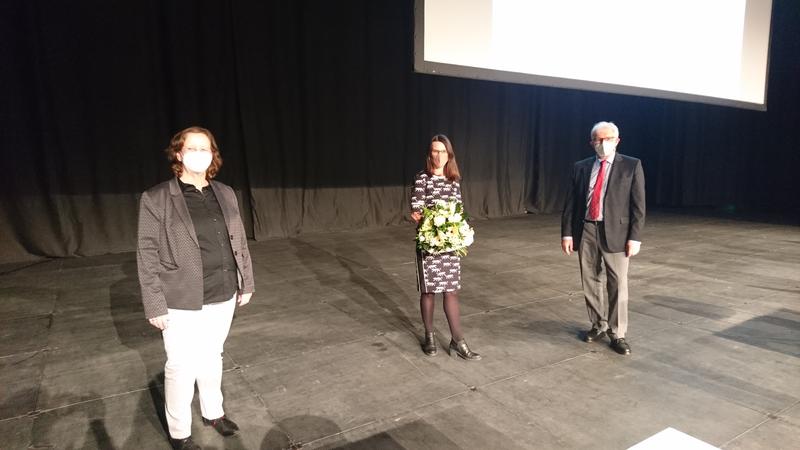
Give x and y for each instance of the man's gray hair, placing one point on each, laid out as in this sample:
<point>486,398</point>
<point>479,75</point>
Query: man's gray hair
<point>600,125</point>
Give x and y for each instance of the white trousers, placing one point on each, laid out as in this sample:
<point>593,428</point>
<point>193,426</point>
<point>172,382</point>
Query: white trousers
<point>194,340</point>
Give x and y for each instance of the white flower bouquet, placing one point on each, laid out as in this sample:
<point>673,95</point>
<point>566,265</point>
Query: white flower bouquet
<point>443,228</point>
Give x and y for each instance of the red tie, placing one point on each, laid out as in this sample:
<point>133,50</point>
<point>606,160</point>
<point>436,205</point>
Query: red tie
<point>594,203</point>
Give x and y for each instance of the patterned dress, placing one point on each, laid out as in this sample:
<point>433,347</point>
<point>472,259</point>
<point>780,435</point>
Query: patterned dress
<point>442,272</point>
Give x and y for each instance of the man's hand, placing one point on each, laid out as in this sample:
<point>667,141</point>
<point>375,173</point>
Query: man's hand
<point>416,216</point>
<point>243,299</point>
<point>632,248</point>
<point>566,246</point>
<point>160,322</point>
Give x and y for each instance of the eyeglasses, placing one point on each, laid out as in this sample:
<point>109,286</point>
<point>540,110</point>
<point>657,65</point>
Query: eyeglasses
<point>606,139</point>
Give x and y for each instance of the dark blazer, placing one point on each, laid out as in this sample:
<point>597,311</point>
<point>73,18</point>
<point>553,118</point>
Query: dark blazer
<point>168,254</point>
<point>623,203</point>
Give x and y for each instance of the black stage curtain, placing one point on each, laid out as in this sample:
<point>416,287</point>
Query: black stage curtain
<point>323,123</point>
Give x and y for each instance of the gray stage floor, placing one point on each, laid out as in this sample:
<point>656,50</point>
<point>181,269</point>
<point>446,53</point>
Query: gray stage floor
<point>327,355</point>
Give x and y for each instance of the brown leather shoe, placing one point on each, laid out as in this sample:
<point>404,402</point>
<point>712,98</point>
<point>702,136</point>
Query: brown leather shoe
<point>223,425</point>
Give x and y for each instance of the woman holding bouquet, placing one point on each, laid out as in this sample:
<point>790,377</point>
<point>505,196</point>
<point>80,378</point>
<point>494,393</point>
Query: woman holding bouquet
<point>439,272</point>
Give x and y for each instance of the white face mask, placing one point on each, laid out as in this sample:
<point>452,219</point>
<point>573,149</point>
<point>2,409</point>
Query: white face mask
<point>605,148</point>
<point>197,162</point>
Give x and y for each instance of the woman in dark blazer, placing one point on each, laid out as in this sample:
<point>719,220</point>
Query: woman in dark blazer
<point>194,268</point>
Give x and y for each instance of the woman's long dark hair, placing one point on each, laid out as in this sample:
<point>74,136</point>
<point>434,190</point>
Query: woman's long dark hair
<point>451,171</point>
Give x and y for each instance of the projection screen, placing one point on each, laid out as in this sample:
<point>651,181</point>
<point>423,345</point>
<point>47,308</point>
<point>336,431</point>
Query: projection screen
<point>709,51</point>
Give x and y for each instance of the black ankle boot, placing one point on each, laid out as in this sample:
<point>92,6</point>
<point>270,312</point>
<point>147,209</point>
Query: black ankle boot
<point>461,349</point>
<point>429,347</point>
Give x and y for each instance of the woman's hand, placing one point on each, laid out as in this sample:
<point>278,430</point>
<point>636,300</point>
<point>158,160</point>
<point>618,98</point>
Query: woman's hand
<point>416,216</point>
<point>160,322</point>
<point>243,299</point>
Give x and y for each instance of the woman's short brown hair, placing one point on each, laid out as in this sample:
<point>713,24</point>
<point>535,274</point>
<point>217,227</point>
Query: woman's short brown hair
<point>176,145</point>
<point>451,171</point>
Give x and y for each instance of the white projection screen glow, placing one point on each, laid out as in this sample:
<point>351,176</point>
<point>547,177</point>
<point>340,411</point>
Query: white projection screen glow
<point>709,51</point>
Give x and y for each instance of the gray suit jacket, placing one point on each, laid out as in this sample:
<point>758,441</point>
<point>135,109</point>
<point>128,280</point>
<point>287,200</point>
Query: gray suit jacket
<point>623,204</point>
<point>168,254</point>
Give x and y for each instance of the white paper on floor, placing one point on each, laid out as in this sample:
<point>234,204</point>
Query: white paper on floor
<point>670,439</point>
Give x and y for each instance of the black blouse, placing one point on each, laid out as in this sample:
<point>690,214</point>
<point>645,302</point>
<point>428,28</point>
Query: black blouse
<point>219,266</point>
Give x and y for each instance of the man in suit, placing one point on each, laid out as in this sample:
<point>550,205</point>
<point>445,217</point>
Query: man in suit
<point>602,220</point>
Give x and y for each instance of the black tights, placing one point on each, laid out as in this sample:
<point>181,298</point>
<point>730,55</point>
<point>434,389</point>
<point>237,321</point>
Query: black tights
<point>451,311</point>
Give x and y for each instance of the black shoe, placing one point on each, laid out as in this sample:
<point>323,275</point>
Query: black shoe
<point>184,444</point>
<point>621,347</point>
<point>461,349</point>
<point>223,425</point>
<point>593,335</point>
<point>429,347</point>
